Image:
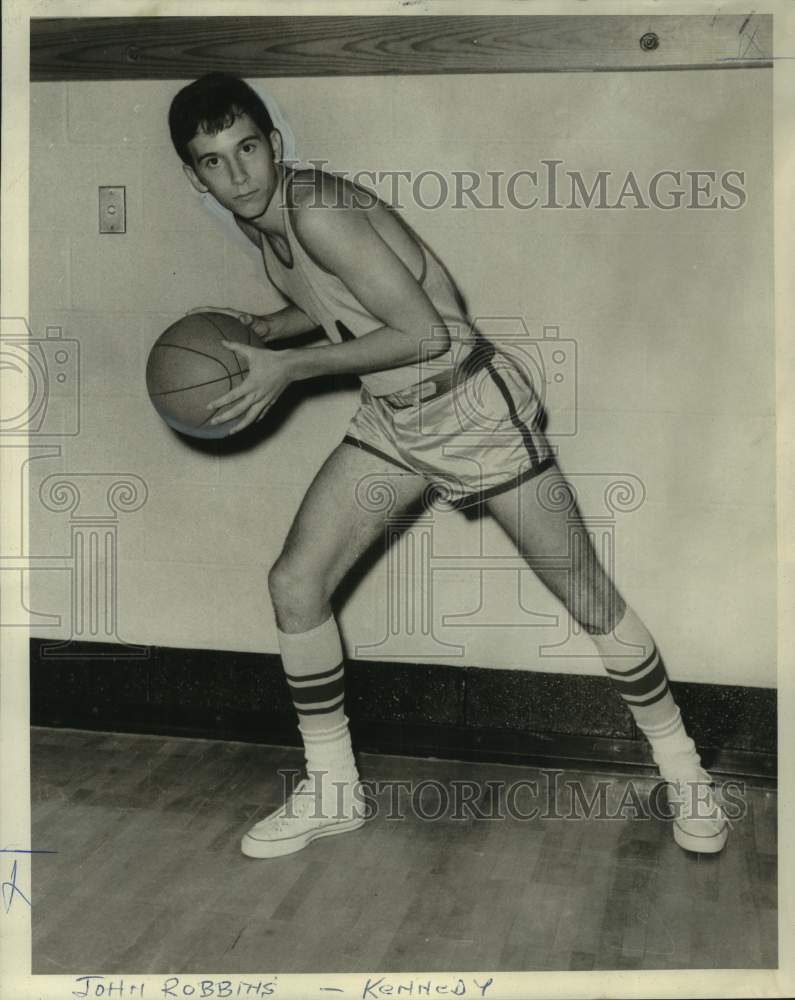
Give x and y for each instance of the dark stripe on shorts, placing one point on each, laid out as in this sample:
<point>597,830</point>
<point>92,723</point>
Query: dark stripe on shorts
<point>350,439</point>
<point>511,484</point>
<point>527,437</point>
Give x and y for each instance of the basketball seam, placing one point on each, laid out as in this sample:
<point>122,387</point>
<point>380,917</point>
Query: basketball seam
<point>224,336</point>
<point>229,374</point>
<point>193,350</point>
<point>198,385</point>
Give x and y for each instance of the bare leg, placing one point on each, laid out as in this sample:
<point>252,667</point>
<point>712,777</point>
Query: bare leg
<point>539,533</point>
<point>333,528</point>
<point>631,659</point>
<point>592,598</point>
<point>344,512</point>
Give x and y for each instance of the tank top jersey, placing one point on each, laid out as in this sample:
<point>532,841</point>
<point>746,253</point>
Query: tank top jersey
<point>326,299</point>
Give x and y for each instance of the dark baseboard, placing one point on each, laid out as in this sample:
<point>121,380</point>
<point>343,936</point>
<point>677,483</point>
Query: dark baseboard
<point>422,710</point>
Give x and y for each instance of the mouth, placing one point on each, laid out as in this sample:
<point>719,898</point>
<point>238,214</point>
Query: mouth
<point>247,196</point>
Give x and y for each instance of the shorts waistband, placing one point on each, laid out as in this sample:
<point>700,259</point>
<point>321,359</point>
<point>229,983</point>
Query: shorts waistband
<point>439,384</point>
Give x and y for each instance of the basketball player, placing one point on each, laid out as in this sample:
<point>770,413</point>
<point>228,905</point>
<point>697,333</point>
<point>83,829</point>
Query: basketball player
<point>346,262</point>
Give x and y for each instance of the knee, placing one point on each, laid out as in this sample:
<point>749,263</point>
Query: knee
<point>294,587</point>
<point>603,615</point>
<point>283,582</point>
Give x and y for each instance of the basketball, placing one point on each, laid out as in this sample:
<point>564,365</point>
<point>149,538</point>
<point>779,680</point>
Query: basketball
<point>188,367</point>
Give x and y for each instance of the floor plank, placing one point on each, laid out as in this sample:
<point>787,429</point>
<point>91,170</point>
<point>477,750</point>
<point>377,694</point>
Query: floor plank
<point>149,876</point>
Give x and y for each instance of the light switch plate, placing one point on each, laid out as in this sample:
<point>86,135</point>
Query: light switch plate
<point>112,210</point>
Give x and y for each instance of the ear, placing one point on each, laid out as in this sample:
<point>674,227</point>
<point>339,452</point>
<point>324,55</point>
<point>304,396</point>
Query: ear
<point>276,145</point>
<point>190,173</point>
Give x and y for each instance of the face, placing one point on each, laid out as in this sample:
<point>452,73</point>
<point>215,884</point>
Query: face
<point>236,166</point>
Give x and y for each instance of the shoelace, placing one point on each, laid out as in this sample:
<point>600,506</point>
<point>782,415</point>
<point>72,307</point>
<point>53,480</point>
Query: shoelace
<point>683,796</point>
<point>300,805</point>
<point>297,806</point>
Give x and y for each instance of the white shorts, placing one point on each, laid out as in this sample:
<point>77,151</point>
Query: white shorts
<point>472,431</point>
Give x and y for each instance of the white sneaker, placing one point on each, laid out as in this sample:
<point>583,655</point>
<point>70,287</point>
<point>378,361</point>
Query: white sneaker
<point>699,822</point>
<point>301,820</point>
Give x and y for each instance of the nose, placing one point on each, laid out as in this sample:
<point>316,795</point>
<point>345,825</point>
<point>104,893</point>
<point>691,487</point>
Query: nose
<point>239,175</point>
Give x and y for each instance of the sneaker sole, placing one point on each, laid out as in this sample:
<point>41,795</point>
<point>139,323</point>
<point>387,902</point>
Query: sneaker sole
<point>712,844</point>
<point>253,848</point>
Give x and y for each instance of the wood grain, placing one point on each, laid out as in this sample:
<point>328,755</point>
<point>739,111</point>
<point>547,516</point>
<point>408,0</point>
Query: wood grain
<point>148,874</point>
<point>94,48</point>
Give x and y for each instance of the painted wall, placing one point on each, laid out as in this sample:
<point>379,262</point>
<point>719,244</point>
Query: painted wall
<point>669,315</point>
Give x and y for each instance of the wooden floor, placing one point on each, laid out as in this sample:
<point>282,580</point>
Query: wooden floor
<point>149,878</point>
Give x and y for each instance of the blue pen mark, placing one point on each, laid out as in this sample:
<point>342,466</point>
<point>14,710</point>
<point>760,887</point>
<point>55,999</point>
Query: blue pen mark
<point>11,889</point>
<point>22,850</point>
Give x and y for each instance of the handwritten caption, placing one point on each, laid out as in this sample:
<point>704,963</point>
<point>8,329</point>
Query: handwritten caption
<point>369,988</point>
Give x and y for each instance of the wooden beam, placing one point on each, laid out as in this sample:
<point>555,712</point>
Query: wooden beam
<point>177,48</point>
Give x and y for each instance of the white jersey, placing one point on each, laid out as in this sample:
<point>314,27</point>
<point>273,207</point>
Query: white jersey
<point>327,300</point>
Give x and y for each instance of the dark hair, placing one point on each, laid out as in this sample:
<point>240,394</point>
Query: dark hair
<point>212,103</point>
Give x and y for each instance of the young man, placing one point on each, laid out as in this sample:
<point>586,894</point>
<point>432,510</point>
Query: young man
<point>349,264</point>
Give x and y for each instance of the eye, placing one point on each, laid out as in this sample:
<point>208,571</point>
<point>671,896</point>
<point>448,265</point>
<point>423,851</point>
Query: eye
<point>211,162</point>
<point>249,147</point>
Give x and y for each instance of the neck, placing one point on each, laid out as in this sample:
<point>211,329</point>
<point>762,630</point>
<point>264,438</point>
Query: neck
<point>271,221</point>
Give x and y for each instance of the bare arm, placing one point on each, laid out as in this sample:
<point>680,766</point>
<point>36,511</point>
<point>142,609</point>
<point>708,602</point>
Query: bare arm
<point>344,242</point>
<point>288,322</point>
<point>281,325</point>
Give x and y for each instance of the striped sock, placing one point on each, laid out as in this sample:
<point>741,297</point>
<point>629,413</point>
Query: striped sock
<point>673,750</point>
<point>330,753</point>
<point>313,665</point>
<point>641,680</point>
<point>315,674</point>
